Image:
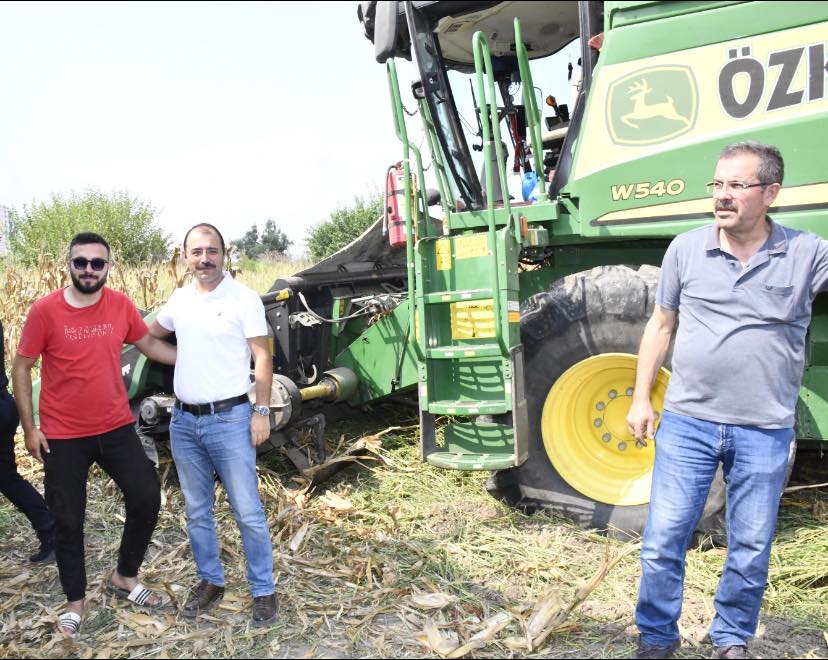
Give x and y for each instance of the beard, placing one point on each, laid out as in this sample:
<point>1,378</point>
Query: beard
<point>87,287</point>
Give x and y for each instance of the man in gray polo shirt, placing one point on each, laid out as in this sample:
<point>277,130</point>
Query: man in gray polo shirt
<point>743,289</point>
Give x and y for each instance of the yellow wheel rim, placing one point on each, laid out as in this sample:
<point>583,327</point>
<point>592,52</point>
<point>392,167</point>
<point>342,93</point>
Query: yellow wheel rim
<point>585,434</point>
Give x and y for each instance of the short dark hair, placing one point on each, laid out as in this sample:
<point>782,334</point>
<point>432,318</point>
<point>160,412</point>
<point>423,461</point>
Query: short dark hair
<point>771,166</point>
<point>205,225</point>
<point>89,238</point>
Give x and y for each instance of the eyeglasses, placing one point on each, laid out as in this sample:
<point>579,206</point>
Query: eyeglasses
<point>735,186</point>
<point>80,263</point>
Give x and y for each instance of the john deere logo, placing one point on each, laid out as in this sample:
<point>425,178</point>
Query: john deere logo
<point>653,105</point>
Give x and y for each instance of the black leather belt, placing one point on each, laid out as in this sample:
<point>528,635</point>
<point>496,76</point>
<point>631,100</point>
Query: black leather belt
<point>211,408</point>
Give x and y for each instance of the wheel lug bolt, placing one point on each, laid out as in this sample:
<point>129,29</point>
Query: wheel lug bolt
<point>598,422</point>
<point>629,391</point>
<point>612,394</point>
<point>622,446</point>
<point>639,444</point>
<point>606,437</point>
<point>600,405</point>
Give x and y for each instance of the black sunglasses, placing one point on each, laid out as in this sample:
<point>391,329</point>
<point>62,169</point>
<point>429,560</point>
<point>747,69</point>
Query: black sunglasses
<point>80,263</point>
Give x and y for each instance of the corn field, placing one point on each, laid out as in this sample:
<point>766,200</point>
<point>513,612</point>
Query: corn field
<point>148,285</point>
<point>389,559</point>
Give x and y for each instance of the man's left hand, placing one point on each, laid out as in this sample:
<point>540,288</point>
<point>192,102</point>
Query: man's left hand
<point>259,429</point>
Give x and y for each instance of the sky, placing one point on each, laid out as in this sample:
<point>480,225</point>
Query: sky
<point>229,113</point>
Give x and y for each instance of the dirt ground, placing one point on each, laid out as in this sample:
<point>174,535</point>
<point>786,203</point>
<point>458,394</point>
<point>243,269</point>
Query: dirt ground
<point>391,559</point>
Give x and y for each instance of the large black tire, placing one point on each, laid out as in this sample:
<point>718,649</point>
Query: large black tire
<point>603,310</point>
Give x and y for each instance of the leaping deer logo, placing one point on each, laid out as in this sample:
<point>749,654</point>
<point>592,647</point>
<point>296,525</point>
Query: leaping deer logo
<point>643,110</point>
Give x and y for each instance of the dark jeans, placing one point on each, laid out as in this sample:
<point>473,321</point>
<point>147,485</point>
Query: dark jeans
<point>120,454</point>
<point>19,491</point>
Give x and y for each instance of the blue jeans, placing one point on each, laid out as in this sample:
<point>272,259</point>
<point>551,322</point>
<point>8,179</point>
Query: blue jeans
<point>206,444</point>
<point>688,452</point>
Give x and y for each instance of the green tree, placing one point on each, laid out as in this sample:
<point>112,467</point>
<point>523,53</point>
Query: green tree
<point>127,223</point>
<point>249,242</point>
<point>273,241</point>
<point>343,226</point>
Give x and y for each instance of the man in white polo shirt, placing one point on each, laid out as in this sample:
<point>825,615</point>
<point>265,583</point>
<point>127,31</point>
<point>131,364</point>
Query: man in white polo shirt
<point>219,324</point>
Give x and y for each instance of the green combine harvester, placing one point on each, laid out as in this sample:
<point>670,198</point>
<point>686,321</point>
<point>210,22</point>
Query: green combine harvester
<point>516,323</point>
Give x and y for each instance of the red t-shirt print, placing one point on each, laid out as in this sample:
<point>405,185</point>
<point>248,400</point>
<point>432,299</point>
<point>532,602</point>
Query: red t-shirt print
<point>82,390</point>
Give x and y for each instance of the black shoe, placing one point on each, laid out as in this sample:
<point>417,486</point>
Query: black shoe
<point>203,598</point>
<point>654,652</point>
<point>264,611</point>
<point>736,652</point>
<point>46,553</point>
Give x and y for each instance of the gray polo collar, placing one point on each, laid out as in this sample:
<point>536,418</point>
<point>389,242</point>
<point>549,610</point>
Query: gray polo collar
<point>777,242</point>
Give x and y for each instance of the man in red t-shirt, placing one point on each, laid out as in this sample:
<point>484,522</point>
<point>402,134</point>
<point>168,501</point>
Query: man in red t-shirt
<point>85,418</point>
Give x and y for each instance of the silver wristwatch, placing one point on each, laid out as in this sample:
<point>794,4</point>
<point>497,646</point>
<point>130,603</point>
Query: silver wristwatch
<point>264,411</point>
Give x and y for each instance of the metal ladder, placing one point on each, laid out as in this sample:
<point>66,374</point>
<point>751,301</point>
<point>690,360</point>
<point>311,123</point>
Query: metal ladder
<point>463,297</point>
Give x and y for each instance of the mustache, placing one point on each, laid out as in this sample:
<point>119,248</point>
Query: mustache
<point>205,266</point>
<point>88,283</point>
<point>725,205</point>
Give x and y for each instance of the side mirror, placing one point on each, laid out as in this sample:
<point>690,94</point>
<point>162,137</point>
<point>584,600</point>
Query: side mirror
<point>385,30</point>
<point>432,196</point>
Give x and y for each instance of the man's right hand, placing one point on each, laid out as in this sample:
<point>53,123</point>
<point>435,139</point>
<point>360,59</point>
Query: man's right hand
<point>641,420</point>
<point>35,443</point>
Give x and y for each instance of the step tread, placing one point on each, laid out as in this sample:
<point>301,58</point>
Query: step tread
<point>458,295</point>
<point>467,351</point>
<point>455,461</point>
<point>466,407</point>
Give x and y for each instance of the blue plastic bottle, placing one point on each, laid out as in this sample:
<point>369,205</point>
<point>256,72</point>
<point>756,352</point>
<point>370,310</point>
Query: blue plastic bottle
<point>530,180</point>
